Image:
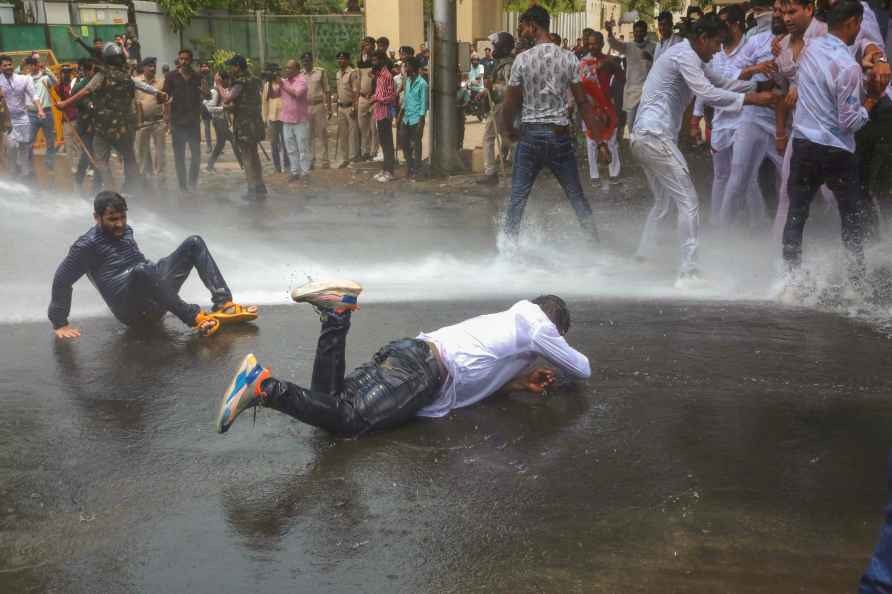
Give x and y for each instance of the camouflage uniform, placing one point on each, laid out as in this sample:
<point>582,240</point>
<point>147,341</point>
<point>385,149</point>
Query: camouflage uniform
<point>249,129</point>
<point>499,77</point>
<point>114,123</point>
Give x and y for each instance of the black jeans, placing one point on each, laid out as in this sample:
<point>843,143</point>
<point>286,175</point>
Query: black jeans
<point>873,149</point>
<point>811,166</point>
<point>221,128</point>
<point>402,378</point>
<point>411,136</point>
<point>385,139</point>
<point>277,146</point>
<point>180,137</point>
<point>154,287</point>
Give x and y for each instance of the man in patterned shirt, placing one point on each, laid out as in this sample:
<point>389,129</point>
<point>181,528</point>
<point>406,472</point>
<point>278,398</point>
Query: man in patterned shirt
<point>540,79</point>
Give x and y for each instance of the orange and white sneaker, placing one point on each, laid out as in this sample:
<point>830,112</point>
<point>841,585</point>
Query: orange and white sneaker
<point>336,295</point>
<point>243,392</point>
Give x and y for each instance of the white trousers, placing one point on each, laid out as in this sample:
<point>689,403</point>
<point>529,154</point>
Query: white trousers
<point>18,147</point>
<point>670,182</point>
<point>592,148</point>
<point>783,199</point>
<point>752,145</point>
<point>297,144</point>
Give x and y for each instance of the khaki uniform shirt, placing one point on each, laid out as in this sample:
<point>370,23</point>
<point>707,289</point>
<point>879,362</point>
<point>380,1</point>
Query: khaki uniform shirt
<point>317,86</point>
<point>365,83</point>
<point>148,104</point>
<point>348,85</point>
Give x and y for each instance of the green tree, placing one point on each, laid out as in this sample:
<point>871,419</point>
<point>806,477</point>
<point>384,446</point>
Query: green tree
<point>552,6</point>
<point>181,12</point>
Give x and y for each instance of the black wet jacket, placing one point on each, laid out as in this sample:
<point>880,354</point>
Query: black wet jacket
<point>106,261</point>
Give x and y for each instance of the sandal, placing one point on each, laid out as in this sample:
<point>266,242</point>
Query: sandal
<point>205,324</point>
<point>231,313</point>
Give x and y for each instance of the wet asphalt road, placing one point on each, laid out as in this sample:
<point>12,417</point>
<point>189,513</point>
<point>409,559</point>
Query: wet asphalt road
<point>718,447</point>
<point>727,446</point>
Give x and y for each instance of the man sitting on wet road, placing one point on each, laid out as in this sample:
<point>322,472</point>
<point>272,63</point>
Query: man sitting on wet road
<point>136,290</point>
<point>428,376</point>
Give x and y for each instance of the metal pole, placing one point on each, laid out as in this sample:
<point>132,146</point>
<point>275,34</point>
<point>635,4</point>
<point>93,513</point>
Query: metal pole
<point>444,152</point>
<point>261,37</point>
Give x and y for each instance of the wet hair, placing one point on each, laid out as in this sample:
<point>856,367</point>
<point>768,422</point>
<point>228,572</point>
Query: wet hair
<point>734,15</point>
<point>106,200</point>
<point>536,15</point>
<point>710,26</point>
<point>556,310</point>
<point>843,11</point>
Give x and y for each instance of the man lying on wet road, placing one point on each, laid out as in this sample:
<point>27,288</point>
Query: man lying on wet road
<point>428,376</point>
<point>136,290</point>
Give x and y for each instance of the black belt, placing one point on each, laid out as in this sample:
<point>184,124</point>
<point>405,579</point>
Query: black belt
<point>558,130</point>
<point>349,104</point>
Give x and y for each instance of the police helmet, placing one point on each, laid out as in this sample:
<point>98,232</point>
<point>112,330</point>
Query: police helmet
<point>112,50</point>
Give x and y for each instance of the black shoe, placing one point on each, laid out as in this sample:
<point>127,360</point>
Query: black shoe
<point>489,180</point>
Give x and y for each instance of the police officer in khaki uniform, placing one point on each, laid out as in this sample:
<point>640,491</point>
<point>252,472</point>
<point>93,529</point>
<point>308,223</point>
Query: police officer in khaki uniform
<point>151,128</point>
<point>368,132</point>
<point>348,98</point>
<point>319,99</point>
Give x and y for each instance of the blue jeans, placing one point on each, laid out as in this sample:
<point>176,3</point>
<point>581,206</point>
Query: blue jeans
<point>540,145</point>
<point>49,134</point>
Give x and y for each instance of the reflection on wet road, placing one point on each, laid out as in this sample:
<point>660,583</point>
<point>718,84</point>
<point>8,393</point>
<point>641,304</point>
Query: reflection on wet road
<point>718,447</point>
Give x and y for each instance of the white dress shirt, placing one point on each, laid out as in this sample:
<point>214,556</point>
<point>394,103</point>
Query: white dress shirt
<point>829,110</point>
<point>869,33</point>
<point>757,49</point>
<point>637,67</point>
<point>485,353</point>
<point>724,122</point>
<point>673,82</point>
<point>664,44</point>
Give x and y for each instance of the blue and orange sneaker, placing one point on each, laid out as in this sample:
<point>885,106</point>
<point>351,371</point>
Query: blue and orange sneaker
<point>336,295</point>
<point>243,393</point>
